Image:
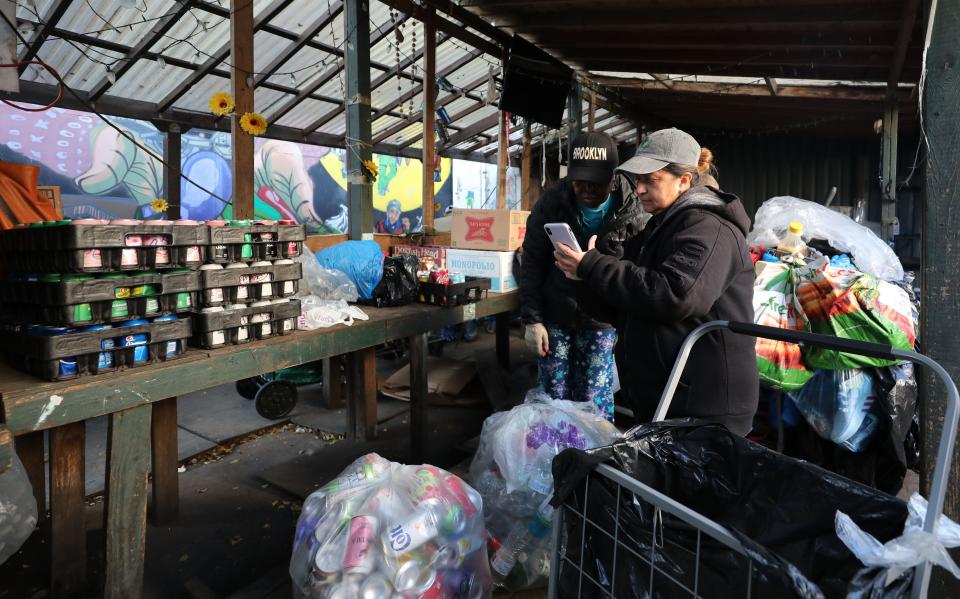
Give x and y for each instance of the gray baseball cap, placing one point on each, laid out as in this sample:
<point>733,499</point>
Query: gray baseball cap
<point>660,148</point>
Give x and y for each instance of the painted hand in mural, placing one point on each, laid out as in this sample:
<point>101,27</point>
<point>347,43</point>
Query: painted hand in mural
<point>117,161</point>
<point>282,182</point>
<point>388,170</point>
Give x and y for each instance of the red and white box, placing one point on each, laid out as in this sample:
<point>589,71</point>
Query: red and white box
<point>495,230</point>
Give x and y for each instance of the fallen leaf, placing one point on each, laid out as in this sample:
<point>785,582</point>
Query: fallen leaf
<point>182,469</point>
<point>184,557</point>
<point>234,461</point>
<point>201,491</point>
<point>236,540</point>
<point>266,525</point>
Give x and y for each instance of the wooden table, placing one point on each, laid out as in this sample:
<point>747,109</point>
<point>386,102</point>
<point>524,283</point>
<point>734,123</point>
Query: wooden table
<point>141,405</point>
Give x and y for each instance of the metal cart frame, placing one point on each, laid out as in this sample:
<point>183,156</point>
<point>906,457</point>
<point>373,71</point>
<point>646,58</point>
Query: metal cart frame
<point>715,531</point>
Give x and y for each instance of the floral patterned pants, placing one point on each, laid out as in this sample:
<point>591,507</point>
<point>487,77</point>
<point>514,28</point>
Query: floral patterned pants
<point>579,366</point>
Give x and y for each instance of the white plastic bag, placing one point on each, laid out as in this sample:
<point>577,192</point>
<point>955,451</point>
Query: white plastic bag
<point>512,471</point>
<point>318,313</point>
<point>869,252</point>
<point>18,509</point>
<point>904,552</point>
<point>325,283</point>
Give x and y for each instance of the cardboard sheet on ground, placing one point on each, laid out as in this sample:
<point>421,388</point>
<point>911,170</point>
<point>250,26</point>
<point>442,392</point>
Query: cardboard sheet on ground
<point>446,378</point>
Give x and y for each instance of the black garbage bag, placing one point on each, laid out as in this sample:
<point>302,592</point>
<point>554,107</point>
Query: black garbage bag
<point>780,508</point>
<point>898,401</point>
<point>399,285</point>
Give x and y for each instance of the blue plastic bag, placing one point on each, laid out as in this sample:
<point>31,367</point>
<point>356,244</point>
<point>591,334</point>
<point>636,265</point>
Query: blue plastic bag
<point>840,405</point>
<point>362,261</point>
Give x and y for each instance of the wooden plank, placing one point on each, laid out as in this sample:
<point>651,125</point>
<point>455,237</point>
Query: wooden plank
<point>30,404</point>
<point>241,58</point>
<point>907,20</point>
<point>503,159</point>
<point>503,339</point>
<point>322,242</point>
<point>419,402</point>
<point>68,531</point>
<point>592,115</point>
<point>772,85</point>
<point>128,464</point>
<point>30,450</point>
<point>940,317</point>
<point>429,115</point>
<point>362,399</point>
<point>6,448</point>
<point>166,479</point>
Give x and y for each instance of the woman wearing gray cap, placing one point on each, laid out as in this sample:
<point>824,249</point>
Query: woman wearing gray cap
<point>690,265</point>
<point>575,348</point>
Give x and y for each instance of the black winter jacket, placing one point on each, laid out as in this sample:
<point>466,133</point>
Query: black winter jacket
<point>546,295</point>
<point>690,265</point>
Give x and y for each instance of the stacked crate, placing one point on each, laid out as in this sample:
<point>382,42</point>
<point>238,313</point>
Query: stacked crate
<point>88,296</point>
<point>249,283</point>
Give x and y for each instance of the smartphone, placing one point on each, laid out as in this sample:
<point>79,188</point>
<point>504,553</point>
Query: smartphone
<point>562,233</point>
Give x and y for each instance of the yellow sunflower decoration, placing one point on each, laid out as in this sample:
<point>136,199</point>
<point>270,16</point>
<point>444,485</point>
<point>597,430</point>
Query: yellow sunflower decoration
<point>253,123</point>
<point>159,205</point>
<point>372,169</point>
<point>221,104</point>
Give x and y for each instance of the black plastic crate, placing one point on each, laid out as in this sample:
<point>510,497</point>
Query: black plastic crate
<point>234,327</point>
<point>104,248</point>
<point>454,294</point>
<point>73,354</point>
<point>250,284</point>
<point>255,242</point>
<point>78,302</point>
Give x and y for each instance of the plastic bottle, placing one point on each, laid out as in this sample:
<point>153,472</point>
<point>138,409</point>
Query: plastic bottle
<point>792,243</point>
<point>518,541</point>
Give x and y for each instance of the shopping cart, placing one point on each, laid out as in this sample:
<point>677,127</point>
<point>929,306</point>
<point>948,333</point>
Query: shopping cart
<point>704,532</point>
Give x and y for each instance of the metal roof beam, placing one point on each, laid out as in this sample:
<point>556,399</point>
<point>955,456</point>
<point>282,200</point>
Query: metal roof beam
<point>826,92</point>
<point>471,20</point>
<point>49,24</point>
<point>323,79</point>
<point>473,130</point>
<point>447,26</point>
<point>413,118</point>
<point>309,33</point>
<point>274,9</point>
<point>397,72</point>
<point>453,68</point>
<point>462,114</point>
<point>160,28</point>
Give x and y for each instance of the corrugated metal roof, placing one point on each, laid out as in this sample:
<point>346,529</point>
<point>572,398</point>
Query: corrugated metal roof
<point>102,32</point>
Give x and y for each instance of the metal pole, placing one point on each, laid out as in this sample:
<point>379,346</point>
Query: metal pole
<point>356,26</point>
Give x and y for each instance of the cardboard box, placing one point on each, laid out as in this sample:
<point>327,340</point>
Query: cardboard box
<point>496,266</point>
<point>497,230</point>
<point>446,379</point>
<point>439,254</point>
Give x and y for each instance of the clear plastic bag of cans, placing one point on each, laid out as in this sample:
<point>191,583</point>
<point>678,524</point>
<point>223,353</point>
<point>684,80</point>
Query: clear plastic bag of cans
<point>382,530</point>
<point>512,471</point>
<point>18,509</point>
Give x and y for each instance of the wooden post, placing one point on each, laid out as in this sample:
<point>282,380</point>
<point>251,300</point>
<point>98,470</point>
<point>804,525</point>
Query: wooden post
<point>889,166</point>
<point>940,317</point>
<point>419,400</point>
<point>574,114</point>
<point>503,159</point>
<point>241,80</point>
<point>68,531</point>
<point>356,26</point>
<point>128,463</point>
<point>526,163</point>
<point>362,400</point>
<point>166,481</point>
<point>503,339</point>
<point>429,113</point>
<point>171,175</point>
<point>333,382</point>
<point>592,117</point>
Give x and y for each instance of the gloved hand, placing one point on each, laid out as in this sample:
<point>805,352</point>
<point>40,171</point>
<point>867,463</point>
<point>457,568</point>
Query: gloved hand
<point>537,339</point>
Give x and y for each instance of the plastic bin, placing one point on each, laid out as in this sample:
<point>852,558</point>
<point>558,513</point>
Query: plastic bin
<point>250,284</point>
<point>40,352</point>
<point>254,242</point>
<point>454,294</point>
<point>242,325</point>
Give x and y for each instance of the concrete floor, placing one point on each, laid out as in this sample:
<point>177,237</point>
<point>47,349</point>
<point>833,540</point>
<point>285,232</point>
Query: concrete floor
<point>239,501</point>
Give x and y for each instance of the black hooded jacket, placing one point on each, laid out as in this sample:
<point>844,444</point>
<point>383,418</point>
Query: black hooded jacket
<point>546,295</point>
<point>690,265</point>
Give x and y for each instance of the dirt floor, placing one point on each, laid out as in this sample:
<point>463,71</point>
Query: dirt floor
<point>243,479</point>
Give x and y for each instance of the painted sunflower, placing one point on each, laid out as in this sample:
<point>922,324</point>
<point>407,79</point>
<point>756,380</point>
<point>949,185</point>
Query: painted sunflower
<point>372,168</point>
<point>221,103</point>
<point>253,123</point>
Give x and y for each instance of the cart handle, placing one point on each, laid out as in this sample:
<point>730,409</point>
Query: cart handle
<point>948,434</point>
